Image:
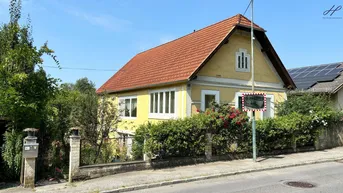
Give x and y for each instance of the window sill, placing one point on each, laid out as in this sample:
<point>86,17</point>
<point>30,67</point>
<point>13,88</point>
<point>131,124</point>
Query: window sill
<point>242,70</point>
<point>162,116</point>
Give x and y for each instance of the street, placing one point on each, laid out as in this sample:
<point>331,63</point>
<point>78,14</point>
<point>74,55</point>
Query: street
<point>327,178</point>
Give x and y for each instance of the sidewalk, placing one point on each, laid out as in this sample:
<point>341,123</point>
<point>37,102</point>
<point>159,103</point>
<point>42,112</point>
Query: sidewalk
<point>153,178</point>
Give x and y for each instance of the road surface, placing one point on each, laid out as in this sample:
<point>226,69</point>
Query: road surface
<point>327,178</point>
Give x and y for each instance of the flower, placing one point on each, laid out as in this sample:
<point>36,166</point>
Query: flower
<point>232,116</point>
<point>238,123</point>
<point>58,170</point>
<point>198,110</point>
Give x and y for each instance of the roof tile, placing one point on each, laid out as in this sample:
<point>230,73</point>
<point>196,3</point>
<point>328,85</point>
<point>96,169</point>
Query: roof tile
<point>173,61</point>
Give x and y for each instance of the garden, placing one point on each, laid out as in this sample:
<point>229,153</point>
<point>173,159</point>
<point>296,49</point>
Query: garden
<point>298,123</point>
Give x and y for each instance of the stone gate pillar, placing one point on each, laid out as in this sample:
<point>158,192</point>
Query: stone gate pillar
<point>74,157</point>
<point>30,153</point>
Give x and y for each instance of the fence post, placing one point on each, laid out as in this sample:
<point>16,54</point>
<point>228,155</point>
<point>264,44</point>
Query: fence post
<point>30,153</point>
<point>74,156</point>
<point>208,147</point>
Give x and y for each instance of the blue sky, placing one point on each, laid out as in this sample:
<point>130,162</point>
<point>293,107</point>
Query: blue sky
<point>105,34</point>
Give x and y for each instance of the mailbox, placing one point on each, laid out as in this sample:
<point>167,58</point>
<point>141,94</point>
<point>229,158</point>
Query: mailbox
<point>30,150</point>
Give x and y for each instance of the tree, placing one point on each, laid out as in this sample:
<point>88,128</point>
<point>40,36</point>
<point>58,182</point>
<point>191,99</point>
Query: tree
<point>25,88</point>
<point>98,116</point>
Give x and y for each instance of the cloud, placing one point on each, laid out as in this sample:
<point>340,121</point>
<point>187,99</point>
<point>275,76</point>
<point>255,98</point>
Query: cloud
<point>145,44</point>
<point>105,21</point>
<point>165,39</point>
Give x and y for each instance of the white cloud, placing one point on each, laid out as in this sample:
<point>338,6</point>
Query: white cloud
<point>165,39</point>
<point>105,21</point>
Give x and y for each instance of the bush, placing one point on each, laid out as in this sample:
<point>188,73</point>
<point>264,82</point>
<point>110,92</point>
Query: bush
<point>304,104</point>
<point>173,138</point>
<point>187,137</point>
<point>285,132</point>
<point>299,121</point>
<point>229,126</point>
<point>12,153</point>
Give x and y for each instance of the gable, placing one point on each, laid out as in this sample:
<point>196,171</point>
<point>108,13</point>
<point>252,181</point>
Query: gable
<point>223,63</point>
<point>180,60</point>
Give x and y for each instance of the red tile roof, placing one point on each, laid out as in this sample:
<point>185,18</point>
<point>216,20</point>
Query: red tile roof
<point>174,61</point>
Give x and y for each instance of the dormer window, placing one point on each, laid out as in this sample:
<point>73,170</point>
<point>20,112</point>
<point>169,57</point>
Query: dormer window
<point>242,61</point>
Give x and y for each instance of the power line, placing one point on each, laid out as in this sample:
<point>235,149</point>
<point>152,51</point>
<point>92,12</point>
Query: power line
<point>247,8</point>
<point>70,68</point>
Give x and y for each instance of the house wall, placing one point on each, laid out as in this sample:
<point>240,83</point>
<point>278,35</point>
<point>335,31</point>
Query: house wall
<point>222,64</point>
<point>338,99</point>
<point>220,74</point>
<point>143,106</point>
<point>227,95</point>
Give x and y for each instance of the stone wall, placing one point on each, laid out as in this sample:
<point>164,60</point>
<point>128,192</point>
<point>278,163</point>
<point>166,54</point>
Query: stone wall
<point>330,137</point>
<point>99,170</point>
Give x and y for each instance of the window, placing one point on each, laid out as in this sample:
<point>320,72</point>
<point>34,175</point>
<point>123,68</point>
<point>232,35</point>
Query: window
<point>128,106</point>
<point>162,104</point>
<point>208,96</point>
<point>242,61</point>
<point>269,113</point>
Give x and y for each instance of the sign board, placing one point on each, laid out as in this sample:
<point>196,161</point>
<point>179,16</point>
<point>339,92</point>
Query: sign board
<point>254,102</point>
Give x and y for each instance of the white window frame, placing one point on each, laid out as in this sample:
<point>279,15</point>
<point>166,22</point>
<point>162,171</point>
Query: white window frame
<point>239,53</point>
<point>271,97</point>
<point>127,97</point>
<point>163,115</point>
<point>216,93</point>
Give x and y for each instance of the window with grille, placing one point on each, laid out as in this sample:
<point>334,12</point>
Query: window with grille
<point>242,61</point>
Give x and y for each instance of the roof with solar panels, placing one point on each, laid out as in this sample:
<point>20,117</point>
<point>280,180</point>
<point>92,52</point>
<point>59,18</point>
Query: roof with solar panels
<point>321,78</point>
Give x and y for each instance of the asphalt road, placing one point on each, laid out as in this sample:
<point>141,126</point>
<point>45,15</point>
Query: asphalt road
<point>327,178</point>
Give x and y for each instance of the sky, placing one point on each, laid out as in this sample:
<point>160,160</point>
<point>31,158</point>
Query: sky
<point>106,34</point>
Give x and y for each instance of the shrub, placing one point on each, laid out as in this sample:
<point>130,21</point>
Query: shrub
<point>304,104</point>
<point>186,137</point>
<point>285,132</point>
<point>173,138</point>
<point>229,126</point>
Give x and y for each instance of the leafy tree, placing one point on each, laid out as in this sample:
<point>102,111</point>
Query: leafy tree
<point>84,85</point>
<point>98,117</point>
<point>25,88</point>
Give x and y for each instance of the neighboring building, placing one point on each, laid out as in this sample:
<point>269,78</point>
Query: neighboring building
<point>177,78</point>
<point>325,78</point>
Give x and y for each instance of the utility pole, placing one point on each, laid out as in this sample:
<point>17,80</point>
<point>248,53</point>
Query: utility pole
<point>253,81</point>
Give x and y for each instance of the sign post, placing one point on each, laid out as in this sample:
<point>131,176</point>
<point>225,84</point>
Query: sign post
<point>254,102</point>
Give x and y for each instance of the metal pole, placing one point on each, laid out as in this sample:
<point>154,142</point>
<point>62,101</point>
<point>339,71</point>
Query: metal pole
<point>253,81</point>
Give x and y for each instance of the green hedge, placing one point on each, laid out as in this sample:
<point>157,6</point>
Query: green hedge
<point>231,130</point>
<point>172,138</point>
<point>186,137</point>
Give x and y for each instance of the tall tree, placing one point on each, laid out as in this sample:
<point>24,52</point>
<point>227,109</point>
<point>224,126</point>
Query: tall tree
<point>25,88</point>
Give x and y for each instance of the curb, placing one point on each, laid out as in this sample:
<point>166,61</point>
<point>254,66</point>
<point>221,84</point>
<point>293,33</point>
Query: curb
<point>192,179</point>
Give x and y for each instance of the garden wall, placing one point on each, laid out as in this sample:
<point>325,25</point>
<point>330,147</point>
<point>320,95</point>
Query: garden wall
<point>330,137</point>
<point>99,170</point>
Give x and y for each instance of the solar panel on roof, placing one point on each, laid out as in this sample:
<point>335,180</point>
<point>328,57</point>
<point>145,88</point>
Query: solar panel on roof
<point>306,77</point>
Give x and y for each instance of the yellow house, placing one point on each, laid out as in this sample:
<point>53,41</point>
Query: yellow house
<point>178,78</point>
